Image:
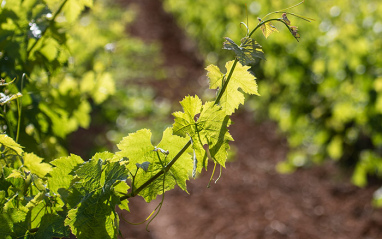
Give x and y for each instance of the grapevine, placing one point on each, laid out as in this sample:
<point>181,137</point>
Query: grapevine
<point>69,195</point>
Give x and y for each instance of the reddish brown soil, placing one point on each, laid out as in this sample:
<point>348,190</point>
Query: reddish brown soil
<point>251,200</point>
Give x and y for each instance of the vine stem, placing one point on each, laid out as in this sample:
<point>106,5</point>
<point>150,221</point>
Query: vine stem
<point>46,29</point>
<point>269,20</point>
<point>185,147</point>
<point>224,87</point>
<point>236,60</point>
<point>19,108</point>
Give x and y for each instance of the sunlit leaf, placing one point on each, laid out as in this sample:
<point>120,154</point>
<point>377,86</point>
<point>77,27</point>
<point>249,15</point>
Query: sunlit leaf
<point>206,125</point>
<point>240,78</point>
<point>267,29</point>
<point>93,194</point>
<point>104,88</point>
<point>94,216</point>
<point>137,147</point>
<point>60,176</point>
<point>10,143</point>
<point>73,8</point>
<point>50,49</point>
<point>36,166</point>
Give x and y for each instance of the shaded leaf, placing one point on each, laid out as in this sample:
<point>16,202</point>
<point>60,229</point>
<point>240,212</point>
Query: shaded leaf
<point>13,219</point>
<point>144,166</point>
<point>52,226</point>
<point>89,174</point>
<point>294,31</point>
<point>246,52</point>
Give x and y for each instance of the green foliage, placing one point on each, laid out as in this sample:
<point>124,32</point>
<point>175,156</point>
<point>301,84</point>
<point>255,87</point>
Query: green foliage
<point>36,43</point>
<point>69,195</point>
<point>326,96</point>
<point>45,200</point>
<point>63,83</point>
<point>53,198</point>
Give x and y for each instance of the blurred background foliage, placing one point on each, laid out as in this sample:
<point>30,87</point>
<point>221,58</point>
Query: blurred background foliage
<point>325,92</point>
<point>75,55</point>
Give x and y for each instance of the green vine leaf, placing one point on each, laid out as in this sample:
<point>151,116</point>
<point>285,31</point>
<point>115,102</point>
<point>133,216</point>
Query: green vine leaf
<point>247,52</point>
<point>8,142</point>
<point>137,148</point>
<point>13,219</point>
<point>93,194</point>
<point>60,176</point>
<point>120,189</point>
<point>89,175</point>
<point>35,165</point>
<point>72,8</point>
<point>140,151</point>
<point>240,78</point>
<point>209,129</point>
<point>94,216</point>
<point>268,29</point>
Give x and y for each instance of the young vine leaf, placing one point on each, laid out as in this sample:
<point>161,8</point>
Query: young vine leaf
<point>268,29</point>
<point>144,166</point>
<point>247,52</point>
<point>8,142</point>
<point>137,147</point>
<point>36,166</point>
<point>210,129</point>
<point>285,19</point>
<point>240,78</point>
